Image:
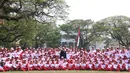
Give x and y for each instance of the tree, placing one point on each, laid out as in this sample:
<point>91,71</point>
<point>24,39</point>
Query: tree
<point>13,31</point>
<point>117,27</point>
<point>47,33</point>
<point>19,19</point>
<point>42,10</point>
<point>88,33</point>
<point>67,28</point>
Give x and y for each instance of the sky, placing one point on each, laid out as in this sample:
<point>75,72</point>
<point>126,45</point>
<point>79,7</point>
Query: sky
<point>97,9</point>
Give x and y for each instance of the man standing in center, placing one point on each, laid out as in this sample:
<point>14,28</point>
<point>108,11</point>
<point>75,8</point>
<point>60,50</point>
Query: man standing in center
<point>63,53</point>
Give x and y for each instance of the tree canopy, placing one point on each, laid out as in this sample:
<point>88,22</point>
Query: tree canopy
<point>116,27</point>
<point>33,22</point>
<point>88,33</point>
<point>25,20</point>
<point>43,10</point>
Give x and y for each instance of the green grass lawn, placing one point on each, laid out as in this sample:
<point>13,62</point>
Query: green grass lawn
<point>74,71</point>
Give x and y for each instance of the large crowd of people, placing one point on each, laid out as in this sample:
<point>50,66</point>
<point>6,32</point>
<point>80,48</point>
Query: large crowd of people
<point>76,59</point>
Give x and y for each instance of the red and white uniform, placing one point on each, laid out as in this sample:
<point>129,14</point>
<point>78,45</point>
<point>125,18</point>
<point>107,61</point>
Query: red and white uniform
<point>109,67</point>
<point>16,66</point>
<point>90,65</point>
<point>77,66</point>
<point>83,66</point>
<point>35,66</point>
<point>103,66</point>
<point>96,66</point>
<point>120,66</point>
<point>30,66</point>
<point>47,66</point>
<point>8,66</point>
<point>1,68</point>
<point>41,65</point>
<point>24,66</point>
<point>57,65</point>
<point>128,67</point>
<point>52,65</point>
<point>115,67</point>
<point>71,66</point>
<point>63,66</point>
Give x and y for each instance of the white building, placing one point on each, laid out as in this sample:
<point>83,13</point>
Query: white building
<point>68,42</point>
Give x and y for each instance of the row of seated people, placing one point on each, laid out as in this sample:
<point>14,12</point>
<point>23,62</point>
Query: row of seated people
<point>48,59</point>
<point>65,64</point>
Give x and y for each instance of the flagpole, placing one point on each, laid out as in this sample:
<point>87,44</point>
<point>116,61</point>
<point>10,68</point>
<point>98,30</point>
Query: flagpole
<point>78,38</point>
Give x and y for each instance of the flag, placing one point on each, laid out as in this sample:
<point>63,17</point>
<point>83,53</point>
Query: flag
<point>78,38</point>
